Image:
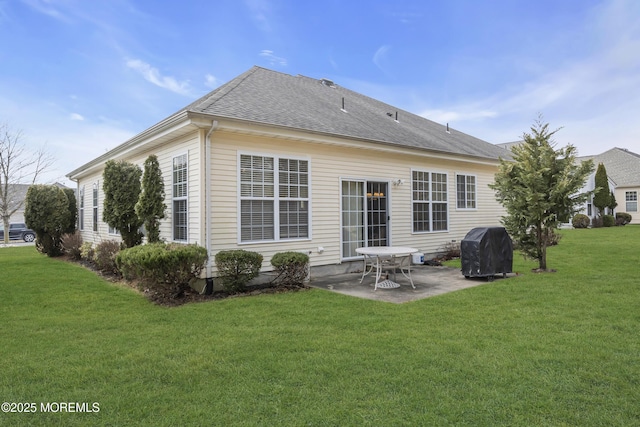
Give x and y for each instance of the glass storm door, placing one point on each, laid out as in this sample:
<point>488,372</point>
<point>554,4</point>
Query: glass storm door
<point>365,216</point>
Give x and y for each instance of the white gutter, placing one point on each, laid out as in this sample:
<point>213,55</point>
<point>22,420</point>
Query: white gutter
<point>207,196</point>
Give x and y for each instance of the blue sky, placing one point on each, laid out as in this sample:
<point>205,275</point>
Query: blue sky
<point>84,76</point>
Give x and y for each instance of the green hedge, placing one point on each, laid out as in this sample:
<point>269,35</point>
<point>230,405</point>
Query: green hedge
<point>292,267</point>
<point>236,268</point>
<point>158,263</point>
<point>580,221</point>
<point>608,221</point>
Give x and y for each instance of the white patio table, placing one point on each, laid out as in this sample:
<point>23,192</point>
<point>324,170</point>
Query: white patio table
<point>385,258</point>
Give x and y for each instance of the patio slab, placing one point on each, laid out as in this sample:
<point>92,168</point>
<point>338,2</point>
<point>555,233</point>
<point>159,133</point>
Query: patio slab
<point>428,280</point>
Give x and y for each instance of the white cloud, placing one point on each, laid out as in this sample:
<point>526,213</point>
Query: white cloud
<point>152,75</point>
<point>210,81</point>
<point>273,59</point>
<point>46,7</point>
<point>76,116</point>
<point>380,56</point>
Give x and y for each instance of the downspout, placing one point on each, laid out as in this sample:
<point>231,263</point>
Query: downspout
<point>207,204</point>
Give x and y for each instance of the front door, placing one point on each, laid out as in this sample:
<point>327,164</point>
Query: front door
<point>365,215</point>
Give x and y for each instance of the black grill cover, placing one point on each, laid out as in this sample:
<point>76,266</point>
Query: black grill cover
<point>486,251</point>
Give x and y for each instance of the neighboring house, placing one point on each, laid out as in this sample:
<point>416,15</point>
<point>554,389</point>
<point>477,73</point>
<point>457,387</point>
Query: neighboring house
<point>623,171</point>
<point>271,162</point>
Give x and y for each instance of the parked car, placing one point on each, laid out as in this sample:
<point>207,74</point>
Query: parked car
<point>18,231</point>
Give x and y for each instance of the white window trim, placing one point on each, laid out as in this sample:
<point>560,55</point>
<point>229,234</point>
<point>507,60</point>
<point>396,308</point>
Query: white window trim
<point>627,200</point>
<point>475,191</point>
<point>95,202</point>
<point>173,230</point>
<point>430,172</point>
<point>276,199</point>
<point>81,209</point>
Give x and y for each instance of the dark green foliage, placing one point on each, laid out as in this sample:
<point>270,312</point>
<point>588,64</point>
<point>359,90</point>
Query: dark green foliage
<point>47,213</point>
<point>601,195</point>
<point>121,186</point>
<point>73,210</point>
<point>292,267</point>
<point>623,218</point>
<point>608,221</point>
<point>539,189</point>
<point>161,265</point>
<point>105,254</point>
<point>236,268</point>
<point>612,203</point>
<point>580,221</point>
<point>150,207</point>
<point>71,244</point>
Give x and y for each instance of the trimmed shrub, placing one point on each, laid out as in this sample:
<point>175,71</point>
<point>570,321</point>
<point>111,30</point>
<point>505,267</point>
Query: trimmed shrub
<point>623,218</point>
<point>580,221</point>
<point>608,221</point>
<point>596,222</point>
<point>71,244</point>
<point>292,267</point>
<point>105,256</point>
<point>87,252</point>
<point>158,264</point>
<point>236,268</point>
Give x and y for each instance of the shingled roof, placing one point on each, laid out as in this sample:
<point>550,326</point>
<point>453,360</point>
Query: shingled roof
<point>623,166</point>
<point>318,105</point>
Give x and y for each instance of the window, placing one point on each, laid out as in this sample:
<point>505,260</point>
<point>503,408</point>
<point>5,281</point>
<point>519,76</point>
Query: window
<point>273,206</point>
<point>95,207</point>
<point>429,198</point>
<point>631,197</point>
<point>466,191</point>
<point>179,193</point>
<point>81,213</point>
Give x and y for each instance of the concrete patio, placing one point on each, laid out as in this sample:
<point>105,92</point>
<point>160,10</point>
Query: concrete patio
<point>428,280</point>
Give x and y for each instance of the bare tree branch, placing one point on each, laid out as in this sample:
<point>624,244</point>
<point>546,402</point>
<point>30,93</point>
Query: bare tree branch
<point>17,166</point>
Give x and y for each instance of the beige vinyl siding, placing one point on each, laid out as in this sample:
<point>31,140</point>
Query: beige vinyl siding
<point>189,145</point>
<point>328,165</point>
<point>620,194</point>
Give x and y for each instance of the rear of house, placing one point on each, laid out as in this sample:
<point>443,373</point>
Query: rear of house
<point>271,162</point>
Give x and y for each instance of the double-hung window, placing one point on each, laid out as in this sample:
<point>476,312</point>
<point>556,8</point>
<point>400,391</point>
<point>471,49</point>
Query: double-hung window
<point>274,198</point>
<point>81,213</point>
<point>179,199</point>
<point>429,200</point>
<point>95,207</point>
<point>465,191</point>
<point>631,199</point>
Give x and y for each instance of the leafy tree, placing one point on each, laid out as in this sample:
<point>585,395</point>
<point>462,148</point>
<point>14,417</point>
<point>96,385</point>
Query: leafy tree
<point>150,207</point>
<point>73,211</point>
<point>47,213</point>
<point>612,203</point>
<point>121,186</point>
<point>540,190</point>
<point>601,195</point>
<point>17,166</point>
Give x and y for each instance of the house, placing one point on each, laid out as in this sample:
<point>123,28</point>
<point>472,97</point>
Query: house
<point>623,172</point>
<point>271,162</point>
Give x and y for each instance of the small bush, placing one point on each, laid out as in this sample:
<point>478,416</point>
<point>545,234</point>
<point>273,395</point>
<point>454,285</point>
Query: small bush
<point>236,268</point>
<point>554,238</point>
<point>161,265</point>
<point>580,221</point>
<point>292,267</point>
<point>71,244</point>
<point>623,218</point>
<point>105,256</point>
<point>87,251</point>
<point>450,250</point>
<point>596,222</point>
<point>608,221</point>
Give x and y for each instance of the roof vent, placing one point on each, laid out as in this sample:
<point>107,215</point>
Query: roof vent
<point>328,82</point>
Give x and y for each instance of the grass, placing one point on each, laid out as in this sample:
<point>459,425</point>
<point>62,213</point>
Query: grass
<point>541,349</point>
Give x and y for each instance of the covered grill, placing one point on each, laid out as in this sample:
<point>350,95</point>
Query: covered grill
<point>485,252</point>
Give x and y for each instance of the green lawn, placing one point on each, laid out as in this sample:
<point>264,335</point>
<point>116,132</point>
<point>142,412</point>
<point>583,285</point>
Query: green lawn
<point>539,349</point>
